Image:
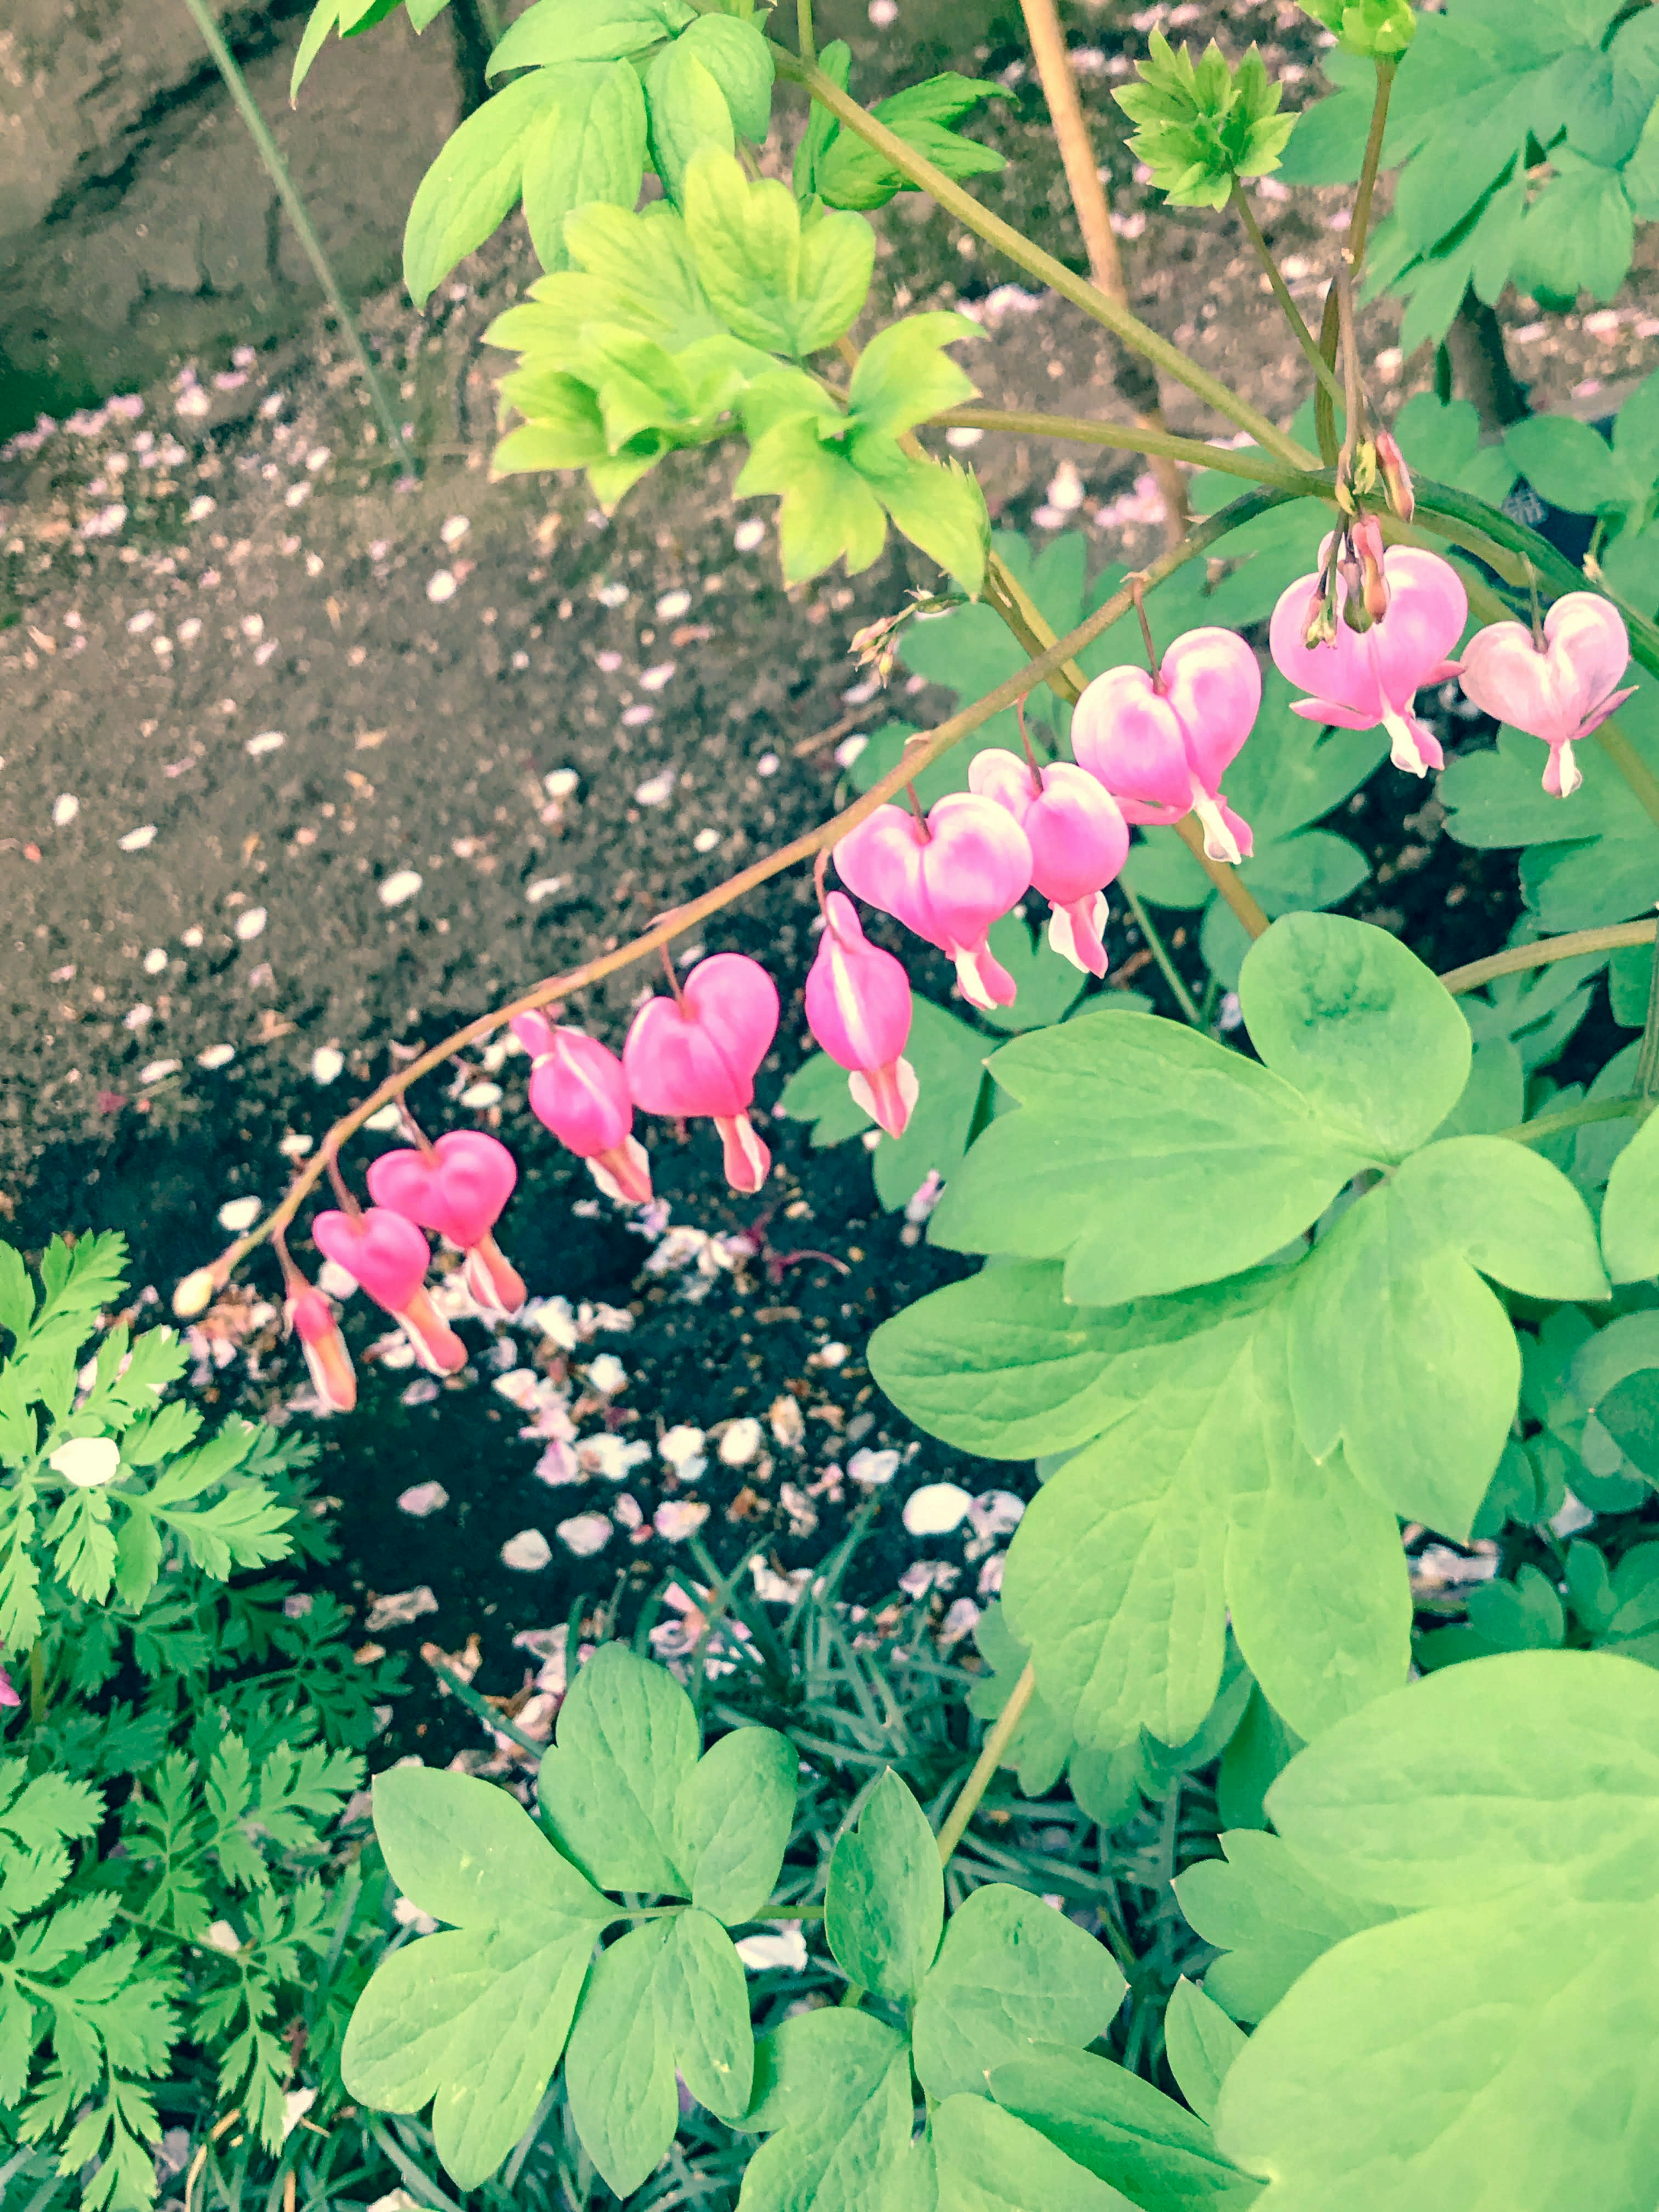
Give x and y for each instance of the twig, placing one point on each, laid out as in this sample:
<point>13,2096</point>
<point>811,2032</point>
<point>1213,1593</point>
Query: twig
<point>276,169</point>
<point>986,1764</point>
<point>478,1704</point>
<point>1094,216</point>
<point>809,52</point>
<point>1082,430</point>
<point>1471,976</point>
<point>841,729</point>
<point>1360,222</point>
<point>1575,1117</point>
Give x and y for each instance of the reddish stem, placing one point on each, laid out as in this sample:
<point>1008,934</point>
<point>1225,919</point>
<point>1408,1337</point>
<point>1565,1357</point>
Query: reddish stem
<point>292,1280</point>
<point>1138,592</point>
<point>349,1205</point>
<point>673,980</point>
<point>1031,757</point>
<point>413,1130</point>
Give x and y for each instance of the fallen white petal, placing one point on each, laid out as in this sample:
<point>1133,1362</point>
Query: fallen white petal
<point>239,1214</point>
<point>935,1508</point>
<point>399,887</point>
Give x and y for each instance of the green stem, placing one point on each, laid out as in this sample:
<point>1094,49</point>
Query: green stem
<point>986,1764</point>
<point>1036,262</point>
<point>1359,226</point>
<point>1568,947</point>
<point>276,169</point>
<point>480,1708</point>
<point>37,1684</point>
<point>1130,438</point>
<point>809,52</point>
<point>1160,952</point>
<point>1647,1060</point>
<point>1575,1117</point>
<point>1293,315</point>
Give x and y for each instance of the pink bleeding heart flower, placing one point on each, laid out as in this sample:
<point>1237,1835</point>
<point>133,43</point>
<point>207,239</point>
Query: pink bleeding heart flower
<point>696,1055</point>
<point>579,1091</point>
<point>310,1318</point>
<point>1364,678</point>
<point>1162,744</point>
<point>1079,841</point>
<point>8,1694</point>
<point>388,1256</point>
<point>458,1188</point>
<point>948,881</point>
<point>857,1007</point>
<point>1560,689</point>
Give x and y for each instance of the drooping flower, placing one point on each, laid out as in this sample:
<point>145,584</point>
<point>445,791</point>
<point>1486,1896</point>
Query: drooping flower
<point>696,1053</point>
<point>310,1318</point>
<point>458,1188</point>
<point>388,1256</point>
<point>948,880</point>
<point>857,1007</point>
<point>1079,841</point>
<point>7,1693</point>
<point>1560,689</point>
<point>1161,744</point>
<point>1363,679</point>
<point>579,1090</point>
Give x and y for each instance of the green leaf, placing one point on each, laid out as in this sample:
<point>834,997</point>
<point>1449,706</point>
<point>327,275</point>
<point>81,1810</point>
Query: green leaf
<point>904,375</point>
<point>885,1903</point>
<point>937,505</point>
<point>1047,986</point>
<point>627,1742</point>
<point>1569,465</point>
<point>833,2087</point>
<point>949,1059</point>
<point>1338,1008</point>
<point>688,112</point>
<point>1041,1744</point>
<point>1161,2156</point>
<point>986,2160</point>
<point>669,1994</point>
<point>474,183</point>
<point>1578,235</point>
<point>1203,127</point>
<point>1147,1155</point>
<point>1630,1213</point>
<point>848,174</point>
<point>423,14</point>
<point>778,285</point>
<point>1201,2044</point>
<point>1121,1575</point>
<point>589,146</point>
<point>324,18</point>
<point>560,31</point>
<point>1508,1212</point>
<point>16,1293</point>
<point>474,2019</point>
<point>1269,1915</point>
<point>817,1092</point>
<point>1013,1972</point>
<point>1482,2041</point>
<point>827,513</point>
<point>737,56</point>
<point>731,1821</point>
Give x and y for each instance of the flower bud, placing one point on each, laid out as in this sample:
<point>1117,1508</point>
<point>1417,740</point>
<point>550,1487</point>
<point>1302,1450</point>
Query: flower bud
<point>1396,476</point>
<point>310,1318</point>
<point>195,1293</point>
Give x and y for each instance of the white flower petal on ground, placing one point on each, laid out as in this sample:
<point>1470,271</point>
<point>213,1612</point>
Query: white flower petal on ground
<point>680,1446</point>
<point>527,1552</point>
<point>266,741</point>
<point>217,1056</point>
<point>158,1070</point>
<point>560,782</point>
<point>387,1118</point>
<point>455,527</point>
<point>252,924</point>
<point>238,1213</point>
<point>657,790</point>
<point>86,1463</point>
<point>326,1063</point>
<point>607,1374</point>
<point>996,1513</point>
<point>399,886</point>
<point>748,534</point>
<point>424,1497</point>
<point>935,1508</point>
<point>741,1442</point>
<point>440,586</point>
<point>787,1422</point>
<point>672,605</point>
<point>398,1608</point>
<point>64,808</point>
<point>585,1534</point>
<point>960,1620</point>
<point>872,1468</point>
<point>297,2103</point>
<point>136,840</point>
<point>786,1949</point>
<point>676,1518</point>
<point>222,1937</point>
<point>155,961</point>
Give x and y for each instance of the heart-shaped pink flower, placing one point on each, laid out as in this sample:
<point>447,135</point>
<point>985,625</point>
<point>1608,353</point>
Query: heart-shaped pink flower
<point>387,1254</point>
<point>1079,841</point>
<point>458,1188</point>
<point>948,881</point>
<point>696,1055</point>
<point>1559,693</point>
<point>579,1090</point>
<point>310,1317</point>
<point>857,1007</point>
<point>1162,744</point>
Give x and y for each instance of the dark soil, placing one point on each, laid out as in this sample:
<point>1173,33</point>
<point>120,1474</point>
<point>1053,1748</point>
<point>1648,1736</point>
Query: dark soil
<point>425,682</point>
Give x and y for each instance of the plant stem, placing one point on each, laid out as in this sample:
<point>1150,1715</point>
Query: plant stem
<point>1360,223</point>
<point>1160,952</point>
<point>1094,216</point>
<point>918,757</point>
<point>37,1683</point>
<point>1647,1060</point>
<point>1574,1117</point>
<point>1036,262</point>
<point>809,52</point>
<point>1082,430</point>
<point>1293,315</point>
<point>276,169</point>
<point>479,1706</point>
<point>1577,941</point>
<point>986,1764</point>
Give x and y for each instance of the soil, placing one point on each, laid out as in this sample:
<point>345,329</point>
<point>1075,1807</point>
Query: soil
<point>316,679</point>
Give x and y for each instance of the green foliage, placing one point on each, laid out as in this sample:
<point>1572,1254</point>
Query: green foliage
<point>886,1896</point>
<point>1378,30</point>
<point>1158,2154</point>
<point>1203,126</point>
<point>349,18</point>
<point>845,171</point>
<point>1574,467</point>
<point>1502,1811</point>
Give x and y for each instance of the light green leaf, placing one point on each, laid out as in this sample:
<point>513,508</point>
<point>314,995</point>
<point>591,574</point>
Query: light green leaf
<point>423,13</point>
<point>1630,1212</point>
<point>475,2019</point>
<point>1148,1157</point>
<point>1508,1212</point>
<point>560,31</point>
<point>849,173</point>
<point>731,1821</point>
<point>1483,2042</point>
<point>474,183</point>
<point>1040,1745</point>
<point>938,505</point>
<point>1338,1008</point>
<point>835,2086</point>
<point>828,510</point>
<point>626,1740</point>
<point>737,56</point>
<point>324,18</point>
<point>904,375</point>
<point>986,2160</point>
<point>1577,235</point>
<point>591,146</point>
<point>1270,1914</point>
<point>949,1059</point>
<point>776,286</point>
<point>1123,2130</point>
<point>704,2000</point>
<point>1569,465</point>
<point>885,1903</point>
<point>688,112</point>
<point>1013,1972</point>
<point>817,1092</point>
<point>1201,2044</point>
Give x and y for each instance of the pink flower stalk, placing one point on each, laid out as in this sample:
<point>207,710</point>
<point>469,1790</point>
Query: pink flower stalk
<point>1360,680</point>
<point>1161,744</point>
<point>696,1055</point>
<point>948,881</point>
<point>857,1007</point>
<point>388,1256</point>
<point>458,1188</point>
<point>579,1091</point>
<point>1560,689</point>
<point>1079,839</point>
<point>310,1318</point>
